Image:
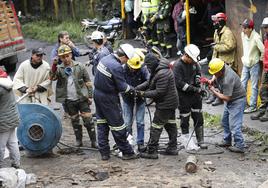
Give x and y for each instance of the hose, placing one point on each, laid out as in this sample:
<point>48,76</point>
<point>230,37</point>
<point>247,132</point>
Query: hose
<point>74,147</point>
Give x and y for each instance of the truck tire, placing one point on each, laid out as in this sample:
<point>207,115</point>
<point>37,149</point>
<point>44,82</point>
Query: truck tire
<point>10,63</point>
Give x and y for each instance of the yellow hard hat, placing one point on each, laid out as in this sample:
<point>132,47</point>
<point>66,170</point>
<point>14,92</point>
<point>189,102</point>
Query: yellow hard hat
<point>64,49</point>
<point>135,62</point>
<point>215,65</point>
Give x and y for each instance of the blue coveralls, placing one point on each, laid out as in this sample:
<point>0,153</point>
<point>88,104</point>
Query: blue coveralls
<point>98,55</point>
<point>109,81</point>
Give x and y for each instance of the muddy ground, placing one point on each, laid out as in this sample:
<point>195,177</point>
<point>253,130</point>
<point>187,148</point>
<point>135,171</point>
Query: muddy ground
<point>83,168</point>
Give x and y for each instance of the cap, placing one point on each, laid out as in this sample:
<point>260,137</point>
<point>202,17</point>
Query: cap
<point>248,23</point>
<point>38,51</point>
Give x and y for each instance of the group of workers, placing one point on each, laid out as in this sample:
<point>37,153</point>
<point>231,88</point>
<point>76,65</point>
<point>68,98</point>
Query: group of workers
<point>134,75</point>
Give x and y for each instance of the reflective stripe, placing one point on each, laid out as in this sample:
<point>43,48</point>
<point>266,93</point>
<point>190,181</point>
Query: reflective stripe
<point>185,115</point>
<point>101,121</point>
<point>128,88</point>
<point>150,41</point>
<point>162,45</point>
<point>155,42</point>
<point>118,128</point>
<point>103,70</point>
<point>172,121</point>
<point>196,110</point>
<point>157,126</point>
<point>161,16</point>
<point>158,31</point>
<point>185,87</point>
<point>169,46</point>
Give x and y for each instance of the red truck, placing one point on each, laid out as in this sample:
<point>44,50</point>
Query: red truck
<point>11,39</point>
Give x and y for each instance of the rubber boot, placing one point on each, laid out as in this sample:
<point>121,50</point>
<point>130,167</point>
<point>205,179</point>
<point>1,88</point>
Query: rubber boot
<point>168,53</point>
<point>258,115</point>
<point>152,146</point>
<point>172,144</point>
<point>89,124</point>
<point>264,118</point>
<point>199,132</point>
<point>78,135</point>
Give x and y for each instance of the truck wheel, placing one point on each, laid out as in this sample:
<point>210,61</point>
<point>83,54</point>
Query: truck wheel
<point>10,63</point>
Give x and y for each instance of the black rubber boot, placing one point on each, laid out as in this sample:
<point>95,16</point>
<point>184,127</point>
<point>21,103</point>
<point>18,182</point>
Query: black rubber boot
<point>152,146</point>
<point>199,132</point>
<point>168,53</point>
<point>89,124</point>
<point>172,144</point>
<point>264,118</point>
<point>258,115</point>
<point>77,132</point>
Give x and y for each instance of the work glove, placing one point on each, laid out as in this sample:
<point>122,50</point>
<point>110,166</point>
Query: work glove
<point>140,94</point>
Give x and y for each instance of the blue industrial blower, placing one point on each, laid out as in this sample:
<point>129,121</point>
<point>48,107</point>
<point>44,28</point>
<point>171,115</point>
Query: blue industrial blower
<point>40,128</point>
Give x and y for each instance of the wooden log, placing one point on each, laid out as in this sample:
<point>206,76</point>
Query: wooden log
<point>191,164</point>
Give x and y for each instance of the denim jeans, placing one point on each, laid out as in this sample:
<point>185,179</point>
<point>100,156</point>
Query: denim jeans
<point>252,73</point>
<point>128,109</point>
<point>232,121</point>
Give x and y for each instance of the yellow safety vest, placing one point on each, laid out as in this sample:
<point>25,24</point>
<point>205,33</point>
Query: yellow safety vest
<point>149,7</point>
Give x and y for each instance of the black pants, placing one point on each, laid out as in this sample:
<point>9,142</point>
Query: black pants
<point>163,119</point>
<point>190,105</point>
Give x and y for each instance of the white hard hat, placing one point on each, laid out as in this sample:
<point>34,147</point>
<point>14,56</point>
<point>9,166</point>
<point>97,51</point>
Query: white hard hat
<point>193,51</point>
<point>96,35</point>
<point>128,50</point>
<point>265,22</point>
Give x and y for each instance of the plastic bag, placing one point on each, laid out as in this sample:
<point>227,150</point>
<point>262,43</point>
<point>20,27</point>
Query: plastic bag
<point>188,142</point>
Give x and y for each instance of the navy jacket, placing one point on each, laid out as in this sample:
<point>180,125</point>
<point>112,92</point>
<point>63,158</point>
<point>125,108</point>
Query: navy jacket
<point>135,78</point>
<point>109,77</point>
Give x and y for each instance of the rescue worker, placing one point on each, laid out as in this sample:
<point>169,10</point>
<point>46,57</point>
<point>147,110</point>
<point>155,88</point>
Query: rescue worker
<point>136,75</point>
<point>162,90</point>
<point>74,89</point>
<point>262,114</point>
<point>253,49</point>
<point>32,77</point>
<point>234,96</point>
<point>161,18</point>
<point>187,77</point>
<point>109,81</point>
<point>101,51</point>
<point>224,48</point>
<point>149,8</point>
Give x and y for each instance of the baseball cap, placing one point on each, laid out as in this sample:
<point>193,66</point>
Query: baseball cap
<point>248,23</point>
<point>38,51</point>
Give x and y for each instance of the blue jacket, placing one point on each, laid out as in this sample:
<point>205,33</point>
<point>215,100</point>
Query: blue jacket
<point>135,78</point>
<point>109,77</point>
<point>54,53</point>
<point>98,55</point>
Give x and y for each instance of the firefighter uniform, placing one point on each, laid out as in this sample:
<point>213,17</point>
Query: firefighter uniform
<point>149,8</point>
<point>109,81</point>
<point>187,77</point>
<point>163,26</point>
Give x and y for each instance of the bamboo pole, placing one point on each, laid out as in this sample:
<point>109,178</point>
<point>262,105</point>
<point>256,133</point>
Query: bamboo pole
<point>56,9</point>
<point>42,6</point>
<point>25,6</point>
<point>188,39</point>
<point>72,8</point>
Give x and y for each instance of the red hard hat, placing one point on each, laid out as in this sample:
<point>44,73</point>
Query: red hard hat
<point>219,16</point>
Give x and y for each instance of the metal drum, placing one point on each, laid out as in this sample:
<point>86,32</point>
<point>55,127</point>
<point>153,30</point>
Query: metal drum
<point>40,128</point>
